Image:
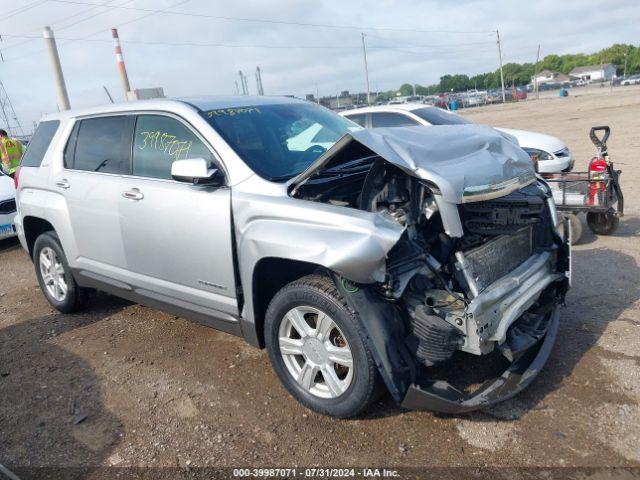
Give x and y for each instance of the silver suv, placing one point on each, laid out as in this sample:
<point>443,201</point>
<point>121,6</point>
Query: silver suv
<point>362,260</point>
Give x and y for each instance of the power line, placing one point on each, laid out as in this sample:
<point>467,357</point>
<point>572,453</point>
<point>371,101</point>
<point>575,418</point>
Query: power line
<point>250,45</point>
<point>105,4</point>
<point>55,23</point>
<point>19,10</point>
<point>280,22</point>
<point>142,17</point>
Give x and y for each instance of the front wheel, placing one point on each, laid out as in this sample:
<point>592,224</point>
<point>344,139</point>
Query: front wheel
<point>318,350</point>
<point>603,223</point>
<point>54,275</point>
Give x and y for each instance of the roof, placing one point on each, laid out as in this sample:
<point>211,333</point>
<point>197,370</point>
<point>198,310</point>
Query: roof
<point>404,107</point>
<point>175,105</point>
<point>590,68</point>
<point>546,72</point>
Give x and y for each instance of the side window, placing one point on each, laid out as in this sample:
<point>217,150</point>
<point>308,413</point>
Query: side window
<point>40,143</point>
<point>103,145</point>
<point>359,118</point>
<point>387,119</point>
<point>159,141</point>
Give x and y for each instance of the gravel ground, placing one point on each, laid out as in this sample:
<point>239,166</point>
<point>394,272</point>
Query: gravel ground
<point>126,385</point>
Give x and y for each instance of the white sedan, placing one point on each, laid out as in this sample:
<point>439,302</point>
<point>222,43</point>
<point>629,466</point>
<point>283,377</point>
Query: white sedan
<point>550,152</point>
<point>7,206</point>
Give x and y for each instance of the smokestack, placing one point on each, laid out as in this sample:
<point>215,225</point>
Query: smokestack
<point>243,83</point>
<point>259,81</point>
<point>61,88</point>
<point>120,60</point>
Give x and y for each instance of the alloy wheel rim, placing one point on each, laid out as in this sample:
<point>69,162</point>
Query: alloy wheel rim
<point>52,272</point>
<point>315,352</point>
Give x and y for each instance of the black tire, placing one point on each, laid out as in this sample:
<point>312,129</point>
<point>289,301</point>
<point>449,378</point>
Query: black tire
<point>319,292</point>
<point>603,223</point>
<point>74,298</point>
<point>575,224</point>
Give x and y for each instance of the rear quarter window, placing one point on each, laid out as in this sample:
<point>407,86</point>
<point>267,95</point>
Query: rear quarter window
<point>40,143</point>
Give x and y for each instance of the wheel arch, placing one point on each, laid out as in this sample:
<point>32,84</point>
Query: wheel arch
<point>269,276</point>
<point>33,228</point>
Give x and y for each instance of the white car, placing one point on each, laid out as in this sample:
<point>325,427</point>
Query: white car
<point>7,206</point>
<point>551,153</point>
<point>632,80</point>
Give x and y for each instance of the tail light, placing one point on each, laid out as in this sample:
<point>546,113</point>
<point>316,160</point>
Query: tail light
<point>16,176</point>
<point>598,176</point>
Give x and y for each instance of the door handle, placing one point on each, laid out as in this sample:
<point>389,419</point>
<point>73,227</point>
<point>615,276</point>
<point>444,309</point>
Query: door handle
<point>63,183</point>
<point>133,194</point>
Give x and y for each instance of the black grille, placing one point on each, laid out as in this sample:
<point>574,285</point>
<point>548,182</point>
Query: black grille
<point>8,206</point>
<point>509,214</point>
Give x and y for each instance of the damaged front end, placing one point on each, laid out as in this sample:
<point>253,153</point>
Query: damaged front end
<point>479,271</point>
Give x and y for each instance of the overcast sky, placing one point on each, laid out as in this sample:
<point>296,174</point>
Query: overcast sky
<point>408,41</point>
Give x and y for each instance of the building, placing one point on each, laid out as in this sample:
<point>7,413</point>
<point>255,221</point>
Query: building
<point>549,76</point>
<point>595,73</point>
<point>346,100</point>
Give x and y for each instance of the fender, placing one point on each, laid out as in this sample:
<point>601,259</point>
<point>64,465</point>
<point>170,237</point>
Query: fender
<point>350,242</point>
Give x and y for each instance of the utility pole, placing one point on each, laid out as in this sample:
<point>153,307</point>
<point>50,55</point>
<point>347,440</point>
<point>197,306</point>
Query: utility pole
<point>366,70</point>
<point>9,117</point>
<point>501,73</point>
<point>61,88</point>
<point>124,78</point>
<point>535,74</point>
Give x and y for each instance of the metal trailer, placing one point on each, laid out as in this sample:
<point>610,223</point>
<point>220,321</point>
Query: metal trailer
<point>596,192</point>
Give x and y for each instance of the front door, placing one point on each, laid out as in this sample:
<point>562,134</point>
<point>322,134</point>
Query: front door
<point>177,236</point>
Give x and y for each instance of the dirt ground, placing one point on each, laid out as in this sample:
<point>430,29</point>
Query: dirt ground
<point>127,385</point>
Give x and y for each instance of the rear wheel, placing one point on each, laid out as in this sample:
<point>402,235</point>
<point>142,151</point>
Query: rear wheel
<point>317,349</point>
<point>54,275</point>
<point>603,223</point>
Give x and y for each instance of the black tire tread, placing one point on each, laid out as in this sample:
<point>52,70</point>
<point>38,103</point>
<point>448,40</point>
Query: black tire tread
<point>324,286</point>
<point>78,295</point>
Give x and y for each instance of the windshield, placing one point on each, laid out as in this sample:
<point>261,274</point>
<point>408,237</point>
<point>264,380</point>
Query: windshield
<point>438,116</point>
<point>279,141</point>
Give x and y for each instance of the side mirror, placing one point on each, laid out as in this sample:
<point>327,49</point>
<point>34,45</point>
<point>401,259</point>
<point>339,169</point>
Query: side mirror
<point>197,172</point>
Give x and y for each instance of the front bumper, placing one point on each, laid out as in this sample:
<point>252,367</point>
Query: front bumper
<point>441,396</point>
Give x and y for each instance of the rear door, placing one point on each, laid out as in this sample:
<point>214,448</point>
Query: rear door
<point>177,236</point>
<point>96,157</point>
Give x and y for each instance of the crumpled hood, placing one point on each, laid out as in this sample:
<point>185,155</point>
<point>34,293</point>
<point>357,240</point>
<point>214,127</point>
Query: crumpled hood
<point>466,162</point>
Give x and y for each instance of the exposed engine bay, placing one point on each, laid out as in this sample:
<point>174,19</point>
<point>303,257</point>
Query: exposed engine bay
<point>440,283</point>
<point>481,265</point>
